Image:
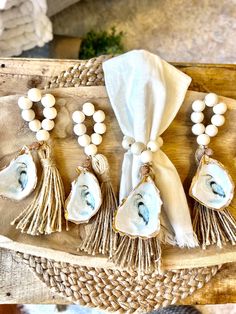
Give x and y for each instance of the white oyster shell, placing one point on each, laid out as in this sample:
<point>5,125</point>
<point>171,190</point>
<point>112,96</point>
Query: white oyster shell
<point>85,198</point>
<point>19,179</point>
<point>139,214</point>
<point>212,185</point>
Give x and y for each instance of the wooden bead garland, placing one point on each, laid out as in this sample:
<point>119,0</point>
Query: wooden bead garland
<point>204,133</point>
<point>98,201</point>
<point>139,148</point>
<point>89,143</point>
<point>49,112</point>
<point>212,187</point>
<point>44,214</point>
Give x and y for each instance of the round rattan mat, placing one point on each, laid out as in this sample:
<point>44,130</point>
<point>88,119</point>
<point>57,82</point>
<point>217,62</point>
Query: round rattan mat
<point>107,289</point>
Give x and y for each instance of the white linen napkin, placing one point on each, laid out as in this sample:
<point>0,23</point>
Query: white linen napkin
<point>146,93</point>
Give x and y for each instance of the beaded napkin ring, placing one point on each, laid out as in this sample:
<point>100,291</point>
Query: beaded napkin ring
<point>44,214</point>
<point>139,148</point>
<point>137,219</point>
<point>87,199</point>
<point>212,187</point>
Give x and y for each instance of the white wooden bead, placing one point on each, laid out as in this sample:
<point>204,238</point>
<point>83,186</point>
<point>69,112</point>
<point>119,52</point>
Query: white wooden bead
<point>34,94</point>
<point>24,102</point>
<point>88,109</point>
<point>198,105</point>
<point>198,128</point>
<point>99,128</point>
<point>28,115</point>
<point>211,99</point>
<point>96,139</point>
<point>78,116</point>
<point>35,125</point>
<point>203,139</point>
<point>42,135</point>
<point>48,100</point>
<point>84,140</point>
<point>220,108</point>
<point>127,142</point>
<point>146,156</point>
<point>197,117</point>
<point>137,148</point>
<point>153,146</point>
<point>47,124</point>
<point>211,130</point>
<point>160,141</point>
<point>218,120</point>
<point>80,129</point>
<point>99,116</point>
<point>50,113</point>
<point>91,150</point>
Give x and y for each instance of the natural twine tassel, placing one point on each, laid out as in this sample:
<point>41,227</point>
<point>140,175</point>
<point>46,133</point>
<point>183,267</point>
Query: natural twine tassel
<point>212,226</point>
<point>44,214</point>
<point>101,237</point>
<point>144,255</point>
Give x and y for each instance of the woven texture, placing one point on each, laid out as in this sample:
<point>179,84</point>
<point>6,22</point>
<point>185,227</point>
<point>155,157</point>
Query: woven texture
<point>84,73</point>
<point>112,290</point>
<point>118,290</point>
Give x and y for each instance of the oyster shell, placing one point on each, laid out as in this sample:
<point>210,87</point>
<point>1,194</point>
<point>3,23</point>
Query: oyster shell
<point>138,215</point>
<point>212,185</point>
<point>19,178</point>
<point>85,198</point>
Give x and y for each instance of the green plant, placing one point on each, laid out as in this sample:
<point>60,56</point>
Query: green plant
<point>101,42</point>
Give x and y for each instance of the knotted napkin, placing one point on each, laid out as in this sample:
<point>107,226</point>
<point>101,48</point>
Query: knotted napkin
<point>146,93</point>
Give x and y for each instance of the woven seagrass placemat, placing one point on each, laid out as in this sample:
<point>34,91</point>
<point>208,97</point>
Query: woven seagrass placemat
<point>112,290</point>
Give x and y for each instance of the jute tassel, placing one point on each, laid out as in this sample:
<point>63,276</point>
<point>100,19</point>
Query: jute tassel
<point>101,237</point>
<point>143,255</point>
<point>212,226</point>
<point>44,214</point>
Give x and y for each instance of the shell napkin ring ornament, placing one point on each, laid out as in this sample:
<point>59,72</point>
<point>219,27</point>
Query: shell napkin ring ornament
<point>87,200</point>
<point>44,214</point>
<point>137,219</point>
<point>212,187</point>
<point>19,178</point>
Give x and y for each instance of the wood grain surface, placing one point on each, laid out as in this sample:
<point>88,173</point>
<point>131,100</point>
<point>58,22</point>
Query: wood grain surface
<point>16,76</point>
<point>179,145</point>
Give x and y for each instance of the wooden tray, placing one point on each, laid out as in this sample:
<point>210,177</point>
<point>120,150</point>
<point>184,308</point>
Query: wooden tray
<point>179,145</point>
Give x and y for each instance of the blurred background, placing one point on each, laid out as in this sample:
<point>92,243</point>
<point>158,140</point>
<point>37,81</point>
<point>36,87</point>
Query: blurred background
<point>201,31</point>
<point>177,30</point>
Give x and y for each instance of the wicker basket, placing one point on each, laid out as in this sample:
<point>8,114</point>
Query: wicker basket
<point>107,289</point>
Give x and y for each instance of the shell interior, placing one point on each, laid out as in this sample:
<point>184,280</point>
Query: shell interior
<point>18,179</point>
<point>139,214</point>
<point>85,198</point>
<point>212,185</point>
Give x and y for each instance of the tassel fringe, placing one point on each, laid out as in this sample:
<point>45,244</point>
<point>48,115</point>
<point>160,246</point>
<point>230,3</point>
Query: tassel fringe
<point>101,237</point>
<point>213,227</point>
<point>136,253</point>
<point>44,215</point>
<point>143,255</point>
